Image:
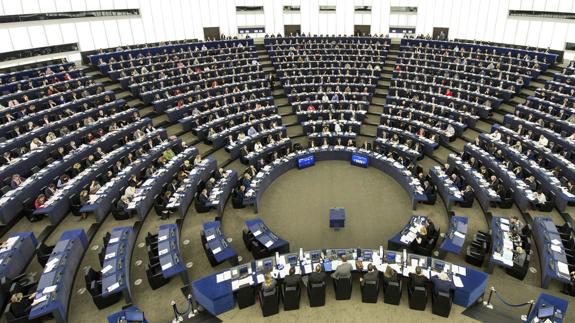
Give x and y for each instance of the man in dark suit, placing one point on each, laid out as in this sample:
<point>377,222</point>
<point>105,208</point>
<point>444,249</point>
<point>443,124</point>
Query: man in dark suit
<point>293,279</point>
<point>431,229</point>
<point>372,275</point>
<point>467,196</point>
<point>417,279</point>
<point>202,201</point>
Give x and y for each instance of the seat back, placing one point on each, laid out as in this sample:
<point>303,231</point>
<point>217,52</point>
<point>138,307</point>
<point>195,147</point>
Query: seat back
<point>418,298</point>
<point>291,297</point>
<point>316,294</point>
<point>392,293</point>
<point>441,304</point>
<point>269,302</point>
<point>343,288</point>
<point>370,291</point>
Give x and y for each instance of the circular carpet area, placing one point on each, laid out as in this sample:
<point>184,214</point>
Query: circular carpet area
<point>296,206</point>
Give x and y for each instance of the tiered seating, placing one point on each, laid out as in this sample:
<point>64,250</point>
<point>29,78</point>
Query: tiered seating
<point>331,79</point>
<point>471,78</point>
<point>505,144</point>
<point>59,124</point>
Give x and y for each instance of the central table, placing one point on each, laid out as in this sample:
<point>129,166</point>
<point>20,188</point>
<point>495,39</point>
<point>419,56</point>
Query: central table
<point>337,217</point>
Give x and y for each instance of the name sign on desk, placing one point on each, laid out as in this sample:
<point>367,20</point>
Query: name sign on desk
<point>305,161</point>
<point>359,160</point>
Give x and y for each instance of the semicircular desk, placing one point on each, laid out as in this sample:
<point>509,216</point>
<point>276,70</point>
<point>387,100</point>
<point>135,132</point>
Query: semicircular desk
<point>267,175</point>
<point>215,292</point>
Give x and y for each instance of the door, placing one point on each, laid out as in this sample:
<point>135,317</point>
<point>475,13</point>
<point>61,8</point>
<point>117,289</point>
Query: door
<point>292,30</point>
<point>440,33</point>
<point>361,30</point>
<point>211,33</point>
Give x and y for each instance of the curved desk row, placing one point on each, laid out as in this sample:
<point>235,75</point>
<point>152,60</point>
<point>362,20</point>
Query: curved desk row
<point>216,245</point>
<point>215,292</point>
<point>267,241</point>
<point>146,194</point>
<point>18,251</point>
<point>221,191</point>
<point>116,266</point>
<point>552,255</point>
<point>184,194</point>
<point>55,285</point>
<point>269,173</point>
<point>455,236</point>
<point>59,204</point>
<point>447,190</point>
<point>101,202</point>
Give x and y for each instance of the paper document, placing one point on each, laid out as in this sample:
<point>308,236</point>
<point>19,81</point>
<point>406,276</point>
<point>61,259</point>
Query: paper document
<point>40,300</point>
<point>457,281</point>
<point>210,237</point>
<point>167,266</point>
<point>556,248</point>
<point>49,289</point>
<point>162,252</point>
<point>563,268</point>
<point>459,235</point>
<point>162,238</point>
<point>217,250</point>
<point>269,243</point>
<point>106,269</point>
<point>555,242</point>
<point>113,286</point>
<point>257,233</point>
<point>114,240</point>
<point>260,278</point>
<point>110,255</point>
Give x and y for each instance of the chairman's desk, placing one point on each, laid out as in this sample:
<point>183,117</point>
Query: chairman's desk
<point>408,233</point>
<point>546,301</point>
<point>266,237</point>
<point>24,163</point>
<point>215,292</point>
<point>171,261</point>
<point>217,244</point>
<point>13,201</point>
<point>522,194</point>
<point>455,236</point>
<point>55,285</point>
<point>552,256</point>
<point>269,173</point>
<point>184,194</point>
<point>117,259</point>
<point>159,50</point>
<point>484,194</point>
<point>221,191</point>
<point>501,244</point>
<point>101,202</point>
<point>450,194</point>
<point>15,255</point>
<point>553,159</point>
<point>548,181</point>
<point>146,194</point>
<point>427,144</point>
<point>41,132</point>
<point>59,204</point>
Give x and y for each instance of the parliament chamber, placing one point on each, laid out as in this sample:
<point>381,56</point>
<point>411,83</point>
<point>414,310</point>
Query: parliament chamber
<point>289,160</point>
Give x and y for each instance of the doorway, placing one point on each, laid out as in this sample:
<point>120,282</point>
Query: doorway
<point>211,33</point>
<point>292,29</point>
<point>440,33</point>
<point>361,29</point>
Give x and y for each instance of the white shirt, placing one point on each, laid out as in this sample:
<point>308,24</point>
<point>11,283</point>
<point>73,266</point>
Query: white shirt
<point>543,141</point>
<point>337,128</point>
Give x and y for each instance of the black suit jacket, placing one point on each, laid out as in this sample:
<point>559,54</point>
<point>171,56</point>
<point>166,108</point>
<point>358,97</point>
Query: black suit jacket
<point>417,280</point>
<point>316,277</point>
<point>467,197</point>
<point>292,280</point>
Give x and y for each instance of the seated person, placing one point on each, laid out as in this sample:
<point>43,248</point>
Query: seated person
<point>569,289</point>
<point>316,277</point>
<point>121,206</point>
<point>540,198</point>
<point>519,257</point>
<point>202,201</point>
<point>422,238</point>
<point>389,276</point>
<point>431,230</point>
<point>269,284</point>
<point>20,305</point>
<point>40,200</point>
<point>16,181</point>
<point>343,270</point>
<point>468,197</point>
<point>441,283</point>
<point>417,279</point>
<point>292,279</point>
<point>371,275</point>
<point>162,204</point>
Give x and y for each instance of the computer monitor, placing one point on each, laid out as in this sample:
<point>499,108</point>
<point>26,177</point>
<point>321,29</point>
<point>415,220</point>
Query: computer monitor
<point>545,312</point>
<point>292,259</point>
<point>315,256</point>
<point>244,270</point>
<point>390,257</point>
<point>268,264</point>
<point>367,255</point>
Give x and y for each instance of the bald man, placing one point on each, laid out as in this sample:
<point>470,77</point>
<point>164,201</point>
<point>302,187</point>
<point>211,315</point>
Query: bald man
<point>343,270</point>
